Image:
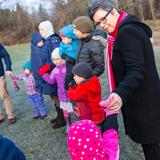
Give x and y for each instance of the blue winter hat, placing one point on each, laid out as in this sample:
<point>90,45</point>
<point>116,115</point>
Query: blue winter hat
<point>9,151</point>
<point>36,37</point>
<point>67,31</point>
<point>27,65</point>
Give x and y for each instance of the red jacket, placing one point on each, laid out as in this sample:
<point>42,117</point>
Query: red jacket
<point>87,96</point>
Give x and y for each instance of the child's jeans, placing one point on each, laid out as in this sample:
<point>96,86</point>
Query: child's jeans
<point>38,104</point>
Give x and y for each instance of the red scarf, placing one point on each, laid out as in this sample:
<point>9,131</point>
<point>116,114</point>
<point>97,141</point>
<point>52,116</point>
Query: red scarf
<point>111,38</point>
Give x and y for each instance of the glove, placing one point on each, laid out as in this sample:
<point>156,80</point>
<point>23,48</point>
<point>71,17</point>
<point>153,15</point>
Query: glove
<point>15,85</point>
<point>44,69</point>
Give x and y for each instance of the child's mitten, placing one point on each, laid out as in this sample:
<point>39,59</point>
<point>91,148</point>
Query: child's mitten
<point>44,69</point>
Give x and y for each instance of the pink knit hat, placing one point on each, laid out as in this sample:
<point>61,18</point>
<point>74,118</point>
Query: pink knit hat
<point>85,141</point>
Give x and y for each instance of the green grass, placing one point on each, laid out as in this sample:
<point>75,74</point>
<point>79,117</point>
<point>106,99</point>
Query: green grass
<point>36,137</point>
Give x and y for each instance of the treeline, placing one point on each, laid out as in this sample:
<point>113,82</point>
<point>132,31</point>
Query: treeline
<point>16,26</point>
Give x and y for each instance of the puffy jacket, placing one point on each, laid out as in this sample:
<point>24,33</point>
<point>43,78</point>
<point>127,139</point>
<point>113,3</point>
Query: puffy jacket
<point>4,55</point>
<point>71,48</point>
<point>57,76</point>
<point>87,96</point>
<point>36,60</point>
<point>92,52</point>
<point>50,44</point>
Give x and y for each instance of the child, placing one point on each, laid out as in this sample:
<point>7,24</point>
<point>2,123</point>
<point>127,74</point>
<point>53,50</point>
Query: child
<point>36,100</point>
<point>86,142</point>
<point>58,76</point>
<point>90,50</point>
<point>36,62</point>
<point>87,93</point>
<point>68,50</point>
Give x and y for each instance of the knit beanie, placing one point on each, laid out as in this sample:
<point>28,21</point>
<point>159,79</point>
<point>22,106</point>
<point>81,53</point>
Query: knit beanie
<point>85,141</point>
<point>9,151</point>
<point>67,31</point>
<point>83,24</point>
<point>82,69</point>
<point>47,27</point>
<point>55,53</point>
<point>27,65</point>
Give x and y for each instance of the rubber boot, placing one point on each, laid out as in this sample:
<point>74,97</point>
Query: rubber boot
<point>56,104</point>
<point>60,119</point>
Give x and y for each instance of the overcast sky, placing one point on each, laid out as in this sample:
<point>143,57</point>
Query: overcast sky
<point>28,4</point>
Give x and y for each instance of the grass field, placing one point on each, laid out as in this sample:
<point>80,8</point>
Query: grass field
<point>36,137</point>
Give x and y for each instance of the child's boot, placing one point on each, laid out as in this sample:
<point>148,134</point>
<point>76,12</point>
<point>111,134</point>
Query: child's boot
<point>111,144</point>
<point>60,119</point>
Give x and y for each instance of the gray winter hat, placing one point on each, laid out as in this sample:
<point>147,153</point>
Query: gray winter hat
<point>83,24</point>
<point>103,4</point>
<point>82,69</point>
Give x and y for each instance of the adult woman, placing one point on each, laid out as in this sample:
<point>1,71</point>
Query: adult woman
<point>133,78</point>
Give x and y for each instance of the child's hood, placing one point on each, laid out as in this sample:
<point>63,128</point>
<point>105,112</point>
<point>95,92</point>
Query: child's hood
<point>67,31</point>
<point>36,37</point>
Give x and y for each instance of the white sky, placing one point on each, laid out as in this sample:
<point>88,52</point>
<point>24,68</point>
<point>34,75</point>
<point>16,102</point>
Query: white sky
<point>28,4</point>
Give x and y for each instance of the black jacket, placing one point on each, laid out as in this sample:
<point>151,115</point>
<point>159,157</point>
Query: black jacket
<point>137,80</point>
<point>92,52</point>
<point>4,55</point>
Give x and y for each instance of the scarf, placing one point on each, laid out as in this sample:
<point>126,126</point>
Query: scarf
<point>111,38</point>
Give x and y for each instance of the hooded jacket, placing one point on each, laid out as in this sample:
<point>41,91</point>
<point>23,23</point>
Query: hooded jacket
<point>50,44</point>
<point>4,55</point>
<point>69,51</point>
<point>36,61</point>
<point>9,151</point>
<point>137,80</point>
<point>87,96</point>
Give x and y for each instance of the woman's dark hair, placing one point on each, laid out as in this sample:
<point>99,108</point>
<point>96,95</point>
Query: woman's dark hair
<point>103,4</point>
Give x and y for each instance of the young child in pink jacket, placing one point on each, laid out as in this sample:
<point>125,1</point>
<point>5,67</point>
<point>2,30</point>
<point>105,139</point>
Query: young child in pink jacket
<point>86,142</point>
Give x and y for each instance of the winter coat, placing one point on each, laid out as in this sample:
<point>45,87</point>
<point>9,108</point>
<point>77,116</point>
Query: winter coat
<point>92,52</point>
<point>87,96</point>
<point>36,61</point>
<point>99,32</point>
<point>137,80</point>
<point>9,151</point>
<point>4,55</point>
<point>50,44</point>
<point>85,141</point>
<point>57,76</point>
<point>69,49</point>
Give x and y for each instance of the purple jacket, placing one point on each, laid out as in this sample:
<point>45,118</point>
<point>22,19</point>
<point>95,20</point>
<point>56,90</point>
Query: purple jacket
<point>58,76</point>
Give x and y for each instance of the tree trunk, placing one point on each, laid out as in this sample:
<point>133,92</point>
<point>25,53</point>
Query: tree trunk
<point>152,9</point>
